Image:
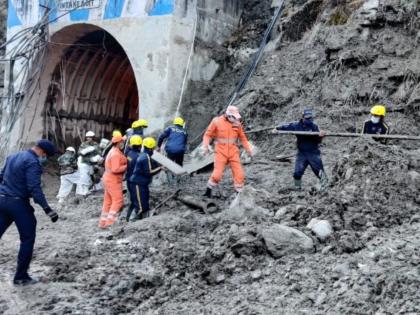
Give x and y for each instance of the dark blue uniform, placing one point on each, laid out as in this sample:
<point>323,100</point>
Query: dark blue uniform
<point>176,145</point>
<point>308,148</point>
<point>380,128</point>
<point>20,180</point>
<point>132,156</point>
<point>143,173</point>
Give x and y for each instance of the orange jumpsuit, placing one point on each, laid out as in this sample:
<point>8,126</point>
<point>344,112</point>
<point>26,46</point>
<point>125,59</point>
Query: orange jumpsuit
<point>115,166</point>
<point>227,151</point>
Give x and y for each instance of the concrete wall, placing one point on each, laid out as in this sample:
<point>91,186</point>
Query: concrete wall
<point>155,34</point>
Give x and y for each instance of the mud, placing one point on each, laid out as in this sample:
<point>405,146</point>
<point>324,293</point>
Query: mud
<point>183,261</point>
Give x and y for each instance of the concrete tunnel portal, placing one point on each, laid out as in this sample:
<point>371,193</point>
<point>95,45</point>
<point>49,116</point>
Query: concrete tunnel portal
<point>92,85</point>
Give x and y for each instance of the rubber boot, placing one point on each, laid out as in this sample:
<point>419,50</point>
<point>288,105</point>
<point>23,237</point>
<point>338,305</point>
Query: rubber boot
<point>298,184</point>
<point>129,211</point>
<point>208,193</point>
<point>323,179</point>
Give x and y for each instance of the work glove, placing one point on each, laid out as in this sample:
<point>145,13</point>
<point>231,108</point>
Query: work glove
<point>52,214</point>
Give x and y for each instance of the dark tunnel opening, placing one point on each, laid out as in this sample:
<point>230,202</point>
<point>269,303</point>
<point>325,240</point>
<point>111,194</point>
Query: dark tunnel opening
<point>93,87</point>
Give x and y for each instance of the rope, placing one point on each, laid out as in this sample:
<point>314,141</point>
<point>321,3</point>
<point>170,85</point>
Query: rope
<point>187,68</point>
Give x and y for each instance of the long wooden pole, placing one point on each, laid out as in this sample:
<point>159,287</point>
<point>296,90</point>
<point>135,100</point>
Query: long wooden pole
<point>338,134</point>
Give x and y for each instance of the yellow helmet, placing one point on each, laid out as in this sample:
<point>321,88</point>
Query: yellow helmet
<point>116,133</point>
<point>378,110</point>
<point>140,123</point>
<point>179,121</point>
<point>149,143</point>
<point>135,140</point>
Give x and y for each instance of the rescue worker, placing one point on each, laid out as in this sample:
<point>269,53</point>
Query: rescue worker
<point>132,156</point>
<point>376,124</point>
<point>20,180</point>
<point>87,150</point>
<point>69,174</point>
<point>226,130</point>
<point>176,143</point>
<point>308,149</point>
<point>143,173</point>
<point>108,144</point>
<point>137,128</point>
<point>115,167</point>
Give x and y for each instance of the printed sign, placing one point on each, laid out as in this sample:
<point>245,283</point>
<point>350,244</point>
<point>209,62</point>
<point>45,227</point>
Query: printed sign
<point>68,5</point>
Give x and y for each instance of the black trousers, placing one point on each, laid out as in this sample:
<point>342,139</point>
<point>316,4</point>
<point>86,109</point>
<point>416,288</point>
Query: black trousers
<point>178,158</point>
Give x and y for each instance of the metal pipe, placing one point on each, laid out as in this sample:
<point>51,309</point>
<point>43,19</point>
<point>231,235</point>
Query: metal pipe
<point>338,134</point>
<point>194,202</point>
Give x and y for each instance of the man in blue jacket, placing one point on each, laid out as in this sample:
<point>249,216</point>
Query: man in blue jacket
<point>132,156</point>
<point>308,149</point>
<point>143,173</point>
<point>20,180</point>
<point>176,145</point>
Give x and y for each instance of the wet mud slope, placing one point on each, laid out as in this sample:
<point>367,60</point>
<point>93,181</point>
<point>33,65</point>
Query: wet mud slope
<point>262,252</point>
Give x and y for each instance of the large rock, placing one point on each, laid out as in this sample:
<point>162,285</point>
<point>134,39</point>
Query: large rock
<point>321,228</point>
<point>282,240</point>
<point>245,205</point>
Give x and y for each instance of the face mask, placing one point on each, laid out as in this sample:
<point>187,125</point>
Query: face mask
<point>42,159</point>
<point>121,145</point>
<point>307,121</point>
<point>375,119</point>
<point>232,119</point>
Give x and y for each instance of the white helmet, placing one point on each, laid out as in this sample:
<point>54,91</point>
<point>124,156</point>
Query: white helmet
<point>90,134</point>
<point>71,149</point>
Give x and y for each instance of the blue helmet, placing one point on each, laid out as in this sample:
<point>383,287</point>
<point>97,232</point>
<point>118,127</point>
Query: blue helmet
<point>47,146</point>
<point>307,113</point>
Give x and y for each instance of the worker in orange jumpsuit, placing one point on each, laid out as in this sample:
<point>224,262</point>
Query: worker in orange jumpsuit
<point>226,130</point>
<point>115,167</point>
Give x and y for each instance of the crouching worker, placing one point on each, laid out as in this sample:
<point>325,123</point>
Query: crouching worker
<point>143,173</point>
<point>115,167</point>
<point>132,156</point>
<point>69,174</point>
<point>376,124</point>
<point>308,149</point>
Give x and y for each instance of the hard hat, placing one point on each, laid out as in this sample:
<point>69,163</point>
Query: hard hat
<point>149,143</point>
<point>117,139</point>
<point>116,133</point>
<point>307,113</point>
<point>179,121</point>
<point>136,140</point>
<point>140,123</point>
<point>90,134</point>
<point>71,149</point>
<point>233,111</point>
<point>378,110</point>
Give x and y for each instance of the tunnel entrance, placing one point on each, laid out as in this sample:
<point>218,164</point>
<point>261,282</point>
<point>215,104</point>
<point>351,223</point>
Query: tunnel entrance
<point>93,86</point>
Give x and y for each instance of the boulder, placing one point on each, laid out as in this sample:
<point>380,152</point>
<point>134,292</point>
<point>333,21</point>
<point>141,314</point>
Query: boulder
<point>245,205</point>
<point>281,240</point>
<point>321,228</point>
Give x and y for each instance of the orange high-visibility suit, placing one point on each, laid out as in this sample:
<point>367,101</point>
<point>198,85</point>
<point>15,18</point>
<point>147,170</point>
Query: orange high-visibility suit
<point>115,166</point>
<point>226,135</point>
